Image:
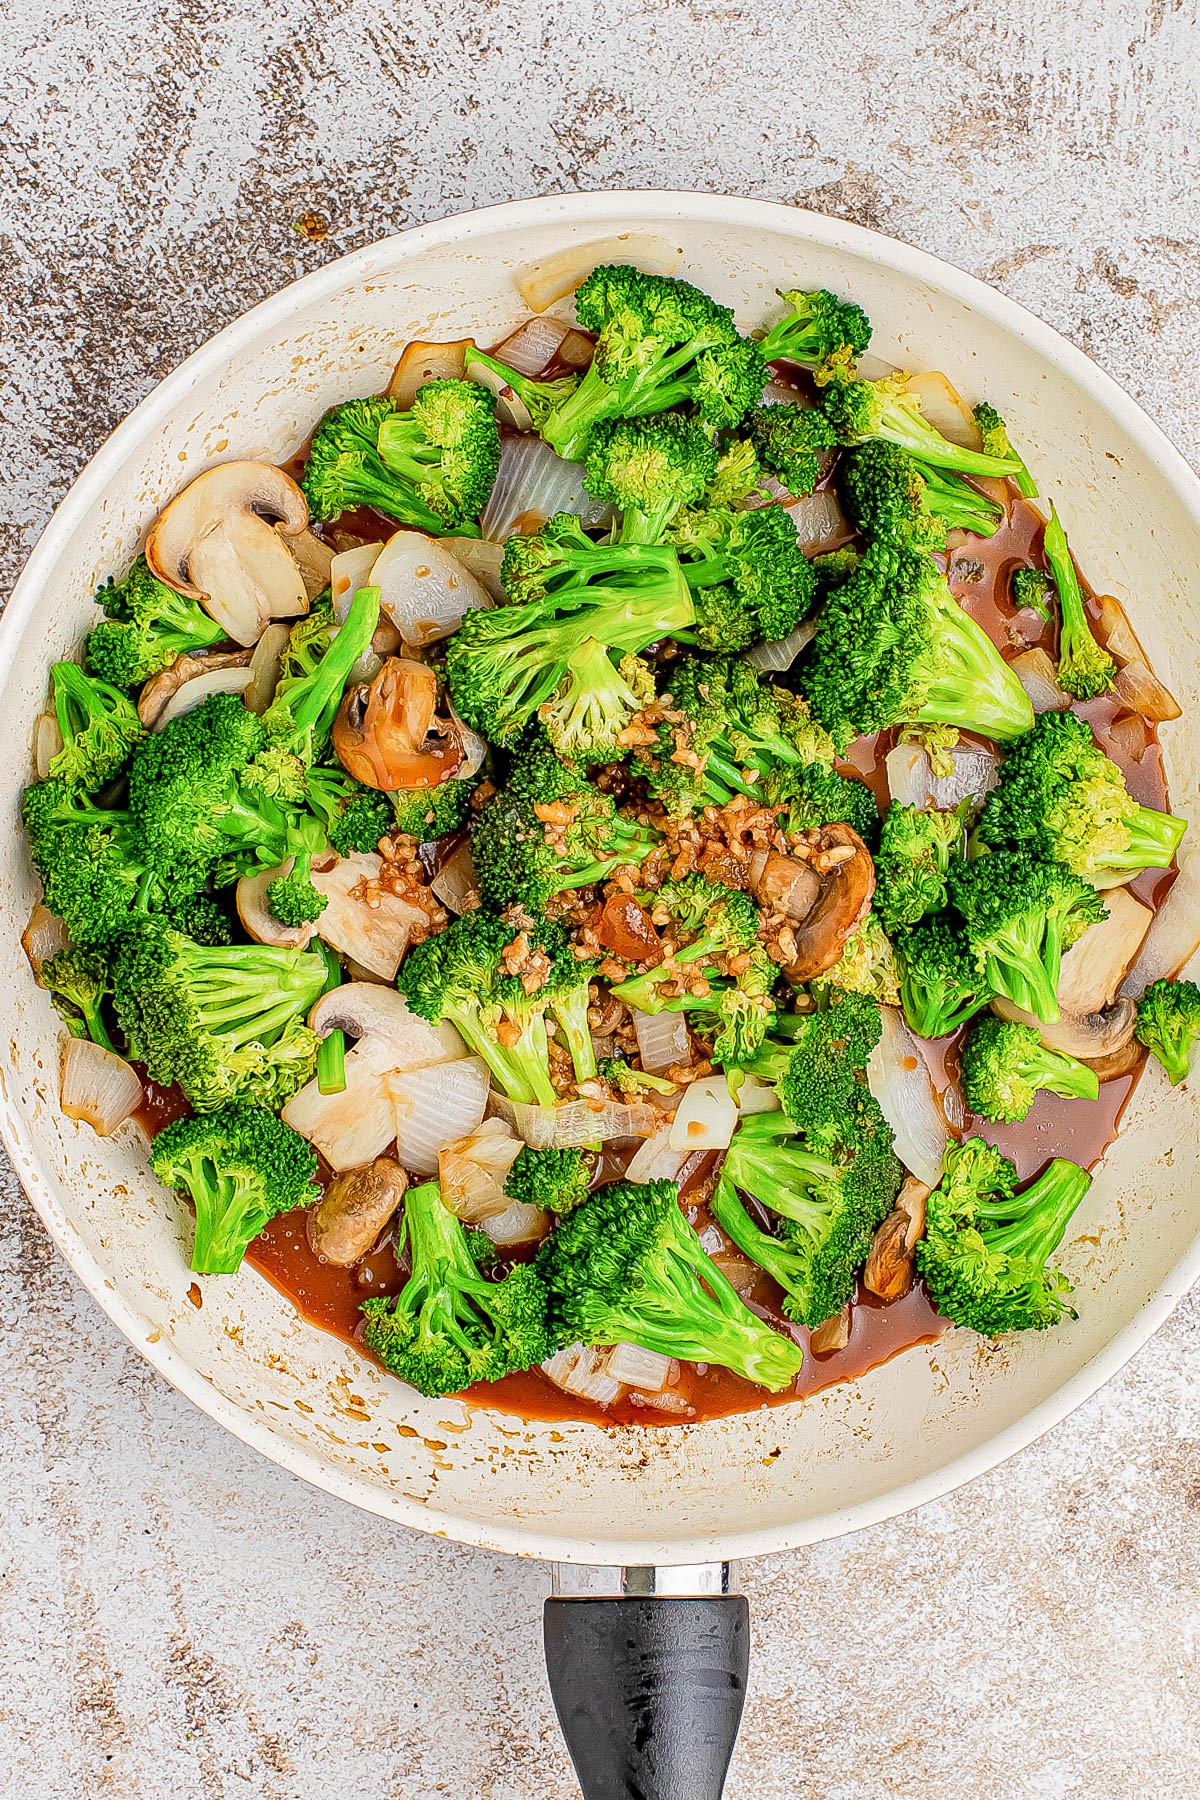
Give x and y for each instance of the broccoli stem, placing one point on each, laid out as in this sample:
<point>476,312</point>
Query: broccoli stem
<point>972,687</point>
<point>1085,669</point>
<point>902,425</point>
<point>521,1071</point>
<point>1015,966</point>
<point>331,1057</point>
<point>220,1242</point>
<point>1038,1217</point>
<point>570,1014</point>
<point>323,689</point>
<point>1154,838</point>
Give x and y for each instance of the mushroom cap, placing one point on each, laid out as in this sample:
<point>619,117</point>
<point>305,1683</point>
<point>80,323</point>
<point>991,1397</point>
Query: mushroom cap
<point>369,1011</point>
<point>213,543</point>
<point>387,734</point>
<point>356,1206</point>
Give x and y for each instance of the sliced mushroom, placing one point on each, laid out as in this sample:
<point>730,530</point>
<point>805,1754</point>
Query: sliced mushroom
<point>889,1269</point>
<point>362,919</point>
<point>831,1334</point>
<point>370,1012</point>
<point>836,858</point>
<point>1092,1037</point>
<point>214,543</point>
<point>162,688</point>
<point>387,734</point>
<point>1119,1062</point>
<point>355,1208</point>
<point>314,560</point>
<point>1093,1025</point>
<point>784,883</point>
<point>258,921</point>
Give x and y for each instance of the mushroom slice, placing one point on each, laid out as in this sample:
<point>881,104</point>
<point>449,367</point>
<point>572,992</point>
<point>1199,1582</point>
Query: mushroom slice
<point>161,689</point>
<point>785,884</point>
<point>831,1334</point>
<point>1092,1037</point>
<point>214,543</point>
<point>314,559</point>
<point>387,734</point>
<point>369,1012</point>
<point>356,1206</point>
<point>1093,1025</point>
<point>363,920</point>
<point>889,1268</point>
<point>257,919</point>
<point>840,864</point>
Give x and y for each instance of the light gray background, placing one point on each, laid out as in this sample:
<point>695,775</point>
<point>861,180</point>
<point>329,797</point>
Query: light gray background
<point>178,1617</point>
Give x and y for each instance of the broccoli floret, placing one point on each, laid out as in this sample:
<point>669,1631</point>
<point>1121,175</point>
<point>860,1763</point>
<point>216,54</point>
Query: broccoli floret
<point>888,494</point>
<point>199,917</point>
<point>225,1023</point>
<point>809,795</point>
<point>708,923</point>
<point>462,975</point>
<point>937,741</point>
<point>633,1083</point>
<point>1059,797</point>
<point>356,817</point>
<point>99,727</point>
<point>94,876</point>
<point>79,982</point>
<point>292,898</point>
<point>819,331</point>
<point>828,1205</point>
<point>239,1167</point>
<point>817,1058</point>
<point>522,854</point>
<point>570,596</point>
<point>448,1326</point>
<point>649,469</point>
<point>1020,916</point>
<point>1034,589</point>
<point>747,574</point>
<point>736,1014</point>
<point>1168,1023</point>
<point>915,850</point>
<point>314,670</point>
<point>860,410</point>
<point>1084,669</point>
<point>555,1180</point>
<point>147,626</point>
<point>993,441</point>
<point>985,1247</point>
<point>867,965</point>
<point>431,467</point>
<point>791,441</point>
<point>660,343</point>
<point>429,813</point>
<point>626,1267</point>
<point>592,705</point>
<point>737,476</point>
<point>893,647</point>
<point>1005,1065</point>
<point>941,985</point>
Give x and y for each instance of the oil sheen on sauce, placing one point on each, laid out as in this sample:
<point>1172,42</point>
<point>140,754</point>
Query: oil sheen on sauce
<point>330,1297</point>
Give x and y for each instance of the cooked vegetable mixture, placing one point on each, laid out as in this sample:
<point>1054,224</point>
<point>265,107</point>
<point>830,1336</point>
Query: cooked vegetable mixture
<point>473,835</point>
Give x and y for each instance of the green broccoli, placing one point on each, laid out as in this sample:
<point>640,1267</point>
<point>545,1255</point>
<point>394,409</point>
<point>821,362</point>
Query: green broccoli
<point>224,1023</point>
<point>94,876</point>
<point>239,1167</point>
<point>626,1267</point>
<point>1034,589</point>
<point>99,728</point>
<point>147,626</point>
<point>540,395</point>
<point>448,1326</point>
<point>748,577</point>
<point>816,1060</point>
<point>1020,916</point>
<point>915,852</point>
<point>867,965</point>
<point>820,332</point>
<point>649,469</point>
<point>79,982</point>
<point>888,409</point>
<point>893,647</point>
<point>828,1203</point>
<point>809,795</point>
<point>1060,798</point>
<point>547,830</point>
<point>887,493</point>
<point>993,441</point>
<point>1084,669</point>
<point>292,898</point>
<point>431,467</point>
<point>430,813</point>
<point>985,1248</point>
<point>941,984</point>
<point>1005,1065</point>
<point>1168,1023</point>
<point>660,343</point>
<point>708,923</point>
<point>555,1180</point>
<point>633,1083</point>
<point>792,442</point>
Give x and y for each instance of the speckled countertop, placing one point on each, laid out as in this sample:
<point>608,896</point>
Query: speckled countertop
<point>179,1617</point>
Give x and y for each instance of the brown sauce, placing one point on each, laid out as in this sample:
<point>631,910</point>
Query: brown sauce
<point>330,1297</point>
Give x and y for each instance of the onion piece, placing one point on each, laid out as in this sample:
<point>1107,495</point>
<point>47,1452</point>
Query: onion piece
<point>912,782</point>
<point>869,367</point>
<point>43,937</point>
<point>662,1040</point>
<point>655,1160</point>
<point>649,1370</point>
<point>97,1087</point>
<point>1139,687</point>
<point>420,363</point>
<point>898,1076</point>
<point>943,407</point>
<point>706,1117</point>
<point>1117,634</point>
<point>754,1095</point>
<point>1035,671</point>
<point>423,590</point>
<point>480,559</point>
<point>47,742</point>
<point>1174,934</point>
<point>820,522</point>
<point>577,1123</point>
<point>194,693</point>
<point>517,1224</point>
<point>532,345</point>
<point>741,1274</point>
<point>548,279</point>
<point>349,571</point>
<point>264,668</point>
<point>576,350</point>
<point>1128,734</point>
<point>434,1107</point>
<point>473,1169</point>
<point>582,1370</point>
<point>473,747</point>
<point>455,884</point>
<point>532,484</point>
<point>783,652</point>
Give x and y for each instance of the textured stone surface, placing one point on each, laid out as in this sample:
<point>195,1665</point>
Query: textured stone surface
<point>178,1617</point>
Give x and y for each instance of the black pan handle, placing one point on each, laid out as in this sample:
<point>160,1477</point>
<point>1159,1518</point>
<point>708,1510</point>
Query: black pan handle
<point>649,1690</point>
